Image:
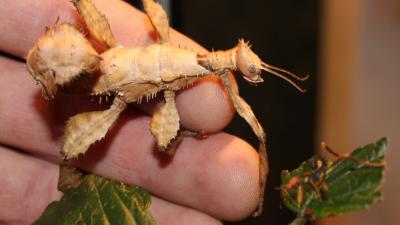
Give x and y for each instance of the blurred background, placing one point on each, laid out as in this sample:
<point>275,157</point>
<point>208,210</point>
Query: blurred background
<point>351,50</point>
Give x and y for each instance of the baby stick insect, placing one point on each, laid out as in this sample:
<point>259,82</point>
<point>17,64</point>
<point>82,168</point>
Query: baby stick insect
<point>129,74</point>
<point>315,178</point>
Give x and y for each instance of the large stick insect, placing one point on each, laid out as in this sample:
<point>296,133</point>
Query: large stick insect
<point>63,54</point>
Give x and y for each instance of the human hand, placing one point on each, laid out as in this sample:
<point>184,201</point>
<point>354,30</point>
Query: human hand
<point>204,182</point>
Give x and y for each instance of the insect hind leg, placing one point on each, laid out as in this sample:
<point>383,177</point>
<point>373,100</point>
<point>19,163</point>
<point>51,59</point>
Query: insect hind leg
<point>96,23</point>
<point>86,128</point>
<point>158,18</point>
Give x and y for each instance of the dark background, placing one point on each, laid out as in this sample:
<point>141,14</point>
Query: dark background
<point>283,33</point>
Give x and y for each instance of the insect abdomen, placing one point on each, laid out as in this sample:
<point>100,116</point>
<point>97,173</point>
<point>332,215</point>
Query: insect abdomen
<point>178,63</point>
<point>154,64</point>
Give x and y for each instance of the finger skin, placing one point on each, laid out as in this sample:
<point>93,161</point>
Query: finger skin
<point>217,175</point>
<point>23,22</point>
<point>166,213</point>
<point>28,188</point>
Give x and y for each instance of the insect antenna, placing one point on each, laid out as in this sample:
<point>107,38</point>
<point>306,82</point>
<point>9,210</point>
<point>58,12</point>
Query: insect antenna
<point>275,71</point>
<point>339,157</point>
<point>285,71</point>
<point>324,146</point>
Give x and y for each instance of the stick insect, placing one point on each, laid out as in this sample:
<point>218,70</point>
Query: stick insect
<point>130,74</point>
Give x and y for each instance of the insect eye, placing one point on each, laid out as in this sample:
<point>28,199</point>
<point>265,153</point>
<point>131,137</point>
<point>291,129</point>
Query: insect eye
<point>252,69</point>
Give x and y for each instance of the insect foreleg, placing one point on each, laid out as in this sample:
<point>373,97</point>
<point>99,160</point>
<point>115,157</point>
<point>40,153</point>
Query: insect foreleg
<point>244,110</point>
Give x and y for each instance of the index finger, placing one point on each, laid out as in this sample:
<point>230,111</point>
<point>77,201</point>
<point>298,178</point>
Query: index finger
<point>23,22</point>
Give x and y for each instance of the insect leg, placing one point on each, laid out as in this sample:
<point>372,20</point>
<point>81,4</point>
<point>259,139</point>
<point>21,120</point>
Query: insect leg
<point>340,157</point>
<point>86,128</point>
<point>178,139</point>
<point>158,18</point>
<point>300,195</point>
<point>316,189</point>
<point>96,23</point>
<point>164,124</point>
<point>69,177</point>
<point>244,110</point>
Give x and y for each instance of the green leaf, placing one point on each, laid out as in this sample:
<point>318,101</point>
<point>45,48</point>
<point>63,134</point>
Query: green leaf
<point>348,183</point>
<point>98,201</point>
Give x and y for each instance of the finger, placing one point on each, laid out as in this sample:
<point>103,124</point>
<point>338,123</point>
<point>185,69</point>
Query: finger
<point>166,213</point>
<point>23,23</point>
<point>20,102</point>
<point>27,186</point>
<point>213,175</point>
<point>217,175</point>
<point>30,184</point>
